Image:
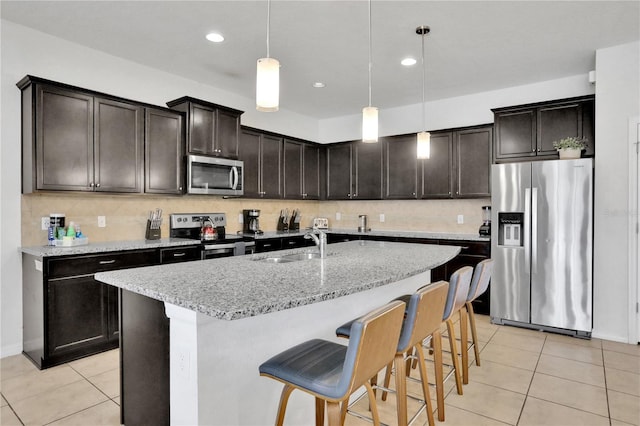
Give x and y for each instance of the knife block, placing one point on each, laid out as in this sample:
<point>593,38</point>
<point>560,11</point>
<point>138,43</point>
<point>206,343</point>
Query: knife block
<point>294,226</point>
<point>151,233</point>
<point>282,225</point>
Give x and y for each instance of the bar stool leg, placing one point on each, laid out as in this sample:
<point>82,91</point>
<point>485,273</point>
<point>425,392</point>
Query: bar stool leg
<point>372,403</point>
<point>319,411</point>
<point>282,407</point>
<point>401,389</point>
<point>436,344</point>
<point>464,344</point>
<point>334,413</point>
<point>474,332</point>
<point>454,355</point>
<point>425,384</point>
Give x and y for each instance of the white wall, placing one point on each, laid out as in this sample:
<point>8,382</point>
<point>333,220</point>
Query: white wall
<point>24,51</point>
<point>460,111</point>
<point>617,100</point>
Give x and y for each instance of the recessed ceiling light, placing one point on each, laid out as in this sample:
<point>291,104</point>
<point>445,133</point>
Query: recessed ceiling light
<point>215,37</point>
<point>407,62</point>
<point>318,84</point>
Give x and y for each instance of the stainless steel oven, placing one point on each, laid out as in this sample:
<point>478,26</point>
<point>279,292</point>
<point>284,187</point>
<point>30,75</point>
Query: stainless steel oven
<point>191,225</point>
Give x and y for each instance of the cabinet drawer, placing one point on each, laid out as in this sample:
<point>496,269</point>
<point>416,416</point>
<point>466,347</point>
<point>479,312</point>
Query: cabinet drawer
<point>180,254</point>
<point>480,248</point>
<point>268,245</point>
<point>83,265</point>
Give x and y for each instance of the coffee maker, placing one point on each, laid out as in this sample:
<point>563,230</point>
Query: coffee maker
<point>251,223</point>
<point>485,228</point>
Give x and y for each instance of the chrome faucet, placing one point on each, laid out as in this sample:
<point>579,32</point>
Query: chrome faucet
<point>320,240</point>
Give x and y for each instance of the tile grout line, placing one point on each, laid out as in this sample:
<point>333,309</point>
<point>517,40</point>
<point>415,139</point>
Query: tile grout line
<point>606,388</point>
<point>526,397</point>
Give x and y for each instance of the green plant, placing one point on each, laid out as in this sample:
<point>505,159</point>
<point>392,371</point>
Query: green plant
<point>571,142</point>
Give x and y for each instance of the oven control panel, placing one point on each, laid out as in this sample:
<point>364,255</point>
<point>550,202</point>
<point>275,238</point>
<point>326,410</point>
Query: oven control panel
<point>196,220</point>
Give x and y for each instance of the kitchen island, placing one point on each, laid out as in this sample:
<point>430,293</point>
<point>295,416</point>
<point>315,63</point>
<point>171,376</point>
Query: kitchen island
<point>227,316</point>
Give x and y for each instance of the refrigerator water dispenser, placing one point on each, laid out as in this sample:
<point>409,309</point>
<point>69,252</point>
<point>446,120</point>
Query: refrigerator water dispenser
<point>510,229</point>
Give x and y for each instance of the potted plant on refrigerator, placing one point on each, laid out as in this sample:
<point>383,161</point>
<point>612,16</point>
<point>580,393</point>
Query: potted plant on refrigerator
<point>570,147</point>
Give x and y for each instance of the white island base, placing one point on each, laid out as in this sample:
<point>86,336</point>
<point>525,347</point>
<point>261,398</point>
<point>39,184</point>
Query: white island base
<point>214,377</point>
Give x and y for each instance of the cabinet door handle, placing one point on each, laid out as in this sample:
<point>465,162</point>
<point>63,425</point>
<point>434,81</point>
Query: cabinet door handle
<point>179,254</point>
<point>91,185</point>
<point>107,262</point>
<point>180,188</point>
<point>97,185</point>
<point>465,247</point>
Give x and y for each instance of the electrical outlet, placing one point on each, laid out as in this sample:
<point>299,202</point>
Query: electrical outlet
<point>240,218</point>
<point>102,221</point>
<point>460,219</point>
<point>338,216</point>
<point>381,217</point>
<point>44,224</point>
<point>183,362</point>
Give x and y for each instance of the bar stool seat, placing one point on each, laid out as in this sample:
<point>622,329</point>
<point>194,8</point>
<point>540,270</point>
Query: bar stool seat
<point>332,372</point>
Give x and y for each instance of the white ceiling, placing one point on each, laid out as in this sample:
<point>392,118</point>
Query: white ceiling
<point>474,46</point>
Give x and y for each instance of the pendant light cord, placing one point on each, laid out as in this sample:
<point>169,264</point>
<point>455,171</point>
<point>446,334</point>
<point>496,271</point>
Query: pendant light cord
<point>268,24</point>
<point>423,84</point>
<point>370,53</point>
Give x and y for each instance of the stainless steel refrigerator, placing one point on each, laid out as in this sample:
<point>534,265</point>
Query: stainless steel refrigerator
<point>542,245</point>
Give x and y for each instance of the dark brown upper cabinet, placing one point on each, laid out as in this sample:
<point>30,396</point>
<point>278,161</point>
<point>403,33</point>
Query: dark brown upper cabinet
<point>262,156</point>
<point>211,129</point>
<point>75,140</point>
<point>459,163</point>
<point>354,171</point>
<point>164,151</point>
<point>473,162</point>
<point>527,132</point>
<point>401,167</point>
<point>301,170</point>
<point>437,170</point>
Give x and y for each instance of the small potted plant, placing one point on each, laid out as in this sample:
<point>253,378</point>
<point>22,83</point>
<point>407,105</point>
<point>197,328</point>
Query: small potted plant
<point>570,147</point>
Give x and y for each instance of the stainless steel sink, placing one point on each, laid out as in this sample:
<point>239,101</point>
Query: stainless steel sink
<point>296,257</point>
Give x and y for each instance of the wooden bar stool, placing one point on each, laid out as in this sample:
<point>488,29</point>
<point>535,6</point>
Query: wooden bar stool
<point>423,317</point>
<point>456,298</point>
<point>332,372</point>
<point>479,284</point>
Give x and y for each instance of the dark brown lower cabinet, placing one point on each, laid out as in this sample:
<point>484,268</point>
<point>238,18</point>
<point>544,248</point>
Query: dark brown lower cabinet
<point>76,319</point>
<point>144,361</point>
<point>67,314</point>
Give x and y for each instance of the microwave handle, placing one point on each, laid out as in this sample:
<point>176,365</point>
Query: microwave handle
<point>234,177</point>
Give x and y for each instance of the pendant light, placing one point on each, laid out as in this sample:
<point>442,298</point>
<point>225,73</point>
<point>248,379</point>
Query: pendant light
<point>370,114</point>
<point>268,77</point>
<point>423,138</point>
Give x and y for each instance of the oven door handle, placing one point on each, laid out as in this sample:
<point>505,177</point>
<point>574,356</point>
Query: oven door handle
<point>218,246</point>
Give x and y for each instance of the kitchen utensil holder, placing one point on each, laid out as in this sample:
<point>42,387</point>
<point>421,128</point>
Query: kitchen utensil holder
<point>152,233</point>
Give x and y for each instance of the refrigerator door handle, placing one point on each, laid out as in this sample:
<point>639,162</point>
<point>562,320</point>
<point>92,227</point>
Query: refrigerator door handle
<point>534,229</point>
<point>527,229</point>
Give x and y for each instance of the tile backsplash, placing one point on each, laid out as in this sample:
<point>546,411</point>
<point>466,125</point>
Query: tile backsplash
<point>126,215</point>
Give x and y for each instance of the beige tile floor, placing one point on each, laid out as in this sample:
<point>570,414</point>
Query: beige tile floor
<point>526,378</point>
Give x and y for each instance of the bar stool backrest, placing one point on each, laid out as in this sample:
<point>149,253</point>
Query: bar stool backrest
<point>481,278</point>
<point>372,345</point>
<point>458,291</point>
<point>424,314</point>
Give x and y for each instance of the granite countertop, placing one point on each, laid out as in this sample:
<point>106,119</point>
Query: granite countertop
<point>243,286</point>
<point>106,247</point>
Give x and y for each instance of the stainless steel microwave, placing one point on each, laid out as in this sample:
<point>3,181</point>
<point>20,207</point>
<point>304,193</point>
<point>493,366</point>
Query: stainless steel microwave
<point>214,176</point>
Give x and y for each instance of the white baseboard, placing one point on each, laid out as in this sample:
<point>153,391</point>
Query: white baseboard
<point>604,336</point>
<point>10,350</point>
